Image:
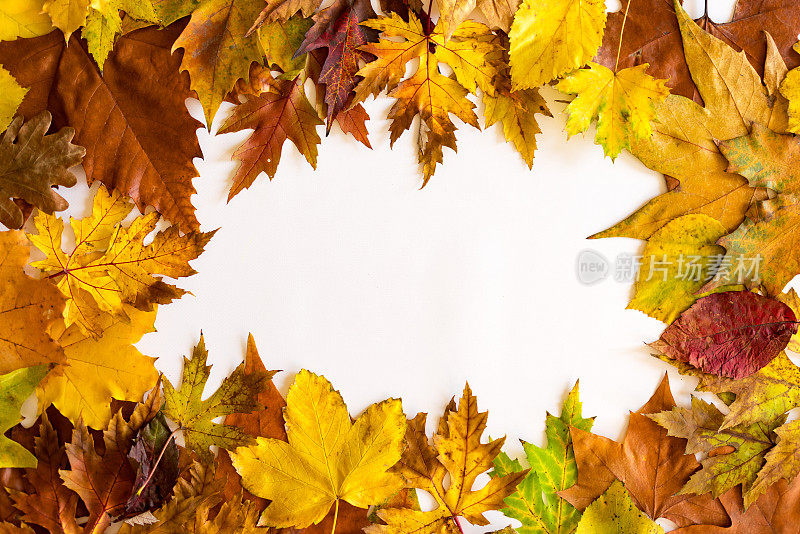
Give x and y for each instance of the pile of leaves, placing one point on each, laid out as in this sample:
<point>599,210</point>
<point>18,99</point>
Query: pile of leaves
<point>713,107</point>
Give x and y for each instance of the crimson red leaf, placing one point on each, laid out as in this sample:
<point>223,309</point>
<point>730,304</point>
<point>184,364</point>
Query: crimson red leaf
<point>732,334</point>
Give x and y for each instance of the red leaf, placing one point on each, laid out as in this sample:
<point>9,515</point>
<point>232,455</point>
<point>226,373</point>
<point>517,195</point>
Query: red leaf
<point>731,334</point>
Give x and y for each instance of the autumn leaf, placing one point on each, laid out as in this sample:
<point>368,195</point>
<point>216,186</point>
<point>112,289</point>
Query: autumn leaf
<point>623,103</point>
<point>266,421</point>
<point>676,262</point>
<point>51,504</point>
<point>615,513</point>
<point>457,451</point>
<point>15,388</point>
<point>31,163</point>
<point>280,113</point>
<point>733,456</point>
<point>104,480</point>
<point>327,459</point>
<point>553,37</point>
<point>99,370</point>
<point>651,465</point>
<point>281,10</point>
<point>12,95</point>
<point>237,394</point>
<point>536,503</point>
<point>23,18</point>
<point>122,117</point>
<point>337,29</point>
<point>217,52</point>
<point>767,160</point>
<point>790,89</point>
<point>27,309</point>
<point>104,24</point>
<point>169,11</point>
<point>652,36</point>
<point>67,15</point>
<point>194,494</point>
<point>781,462</point>
<point>776,511</point>
<point>763,396</point>
<point>280,41</point>
<point>684,141</point>
<point>110,266</point>
<point>472,52</point>
<point>156,457</point>
<point>731,334</point>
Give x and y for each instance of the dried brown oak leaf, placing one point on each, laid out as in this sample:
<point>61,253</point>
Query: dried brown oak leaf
<point>652,36</point>
<point>651,464</point>
<point>31,163</point>
<point>27,309</point>
<point>776,512</point>
<point>133,121</point>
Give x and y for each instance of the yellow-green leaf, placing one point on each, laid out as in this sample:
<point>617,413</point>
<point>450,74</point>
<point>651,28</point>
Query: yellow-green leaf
<point>15,388</point>
<point>614,513</point>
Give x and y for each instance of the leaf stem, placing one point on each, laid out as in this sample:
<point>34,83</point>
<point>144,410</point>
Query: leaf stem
<point>158,461</point>
<point>458,524</point>
<point>335,516</point>
<point>621,33</point>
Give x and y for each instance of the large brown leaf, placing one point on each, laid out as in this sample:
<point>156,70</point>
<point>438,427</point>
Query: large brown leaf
<point>652,36</point>
<point>31,163</point>
<point>651,464</point>
<point>133,121</point>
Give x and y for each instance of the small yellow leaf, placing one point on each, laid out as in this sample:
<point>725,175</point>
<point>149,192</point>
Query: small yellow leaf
<point>790,88</point>
<point>327,458</point>
<point>11,95</point>
<point>552,37</point>
<point>23,18</point>
<point>67,15</point>
<point>623,103</point>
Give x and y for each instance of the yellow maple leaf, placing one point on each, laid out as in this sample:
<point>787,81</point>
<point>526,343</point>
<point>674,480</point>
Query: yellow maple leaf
<point>23,18</point>
<point>98,370</point>
<point>457,451</point>
<point>622,102</point>
<point>110,265</point>
<point>471,52</point>
<point>552,37</point>
<point>67,15</point>
<point>327,459</point>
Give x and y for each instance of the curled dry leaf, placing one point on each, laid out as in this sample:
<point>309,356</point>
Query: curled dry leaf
<point>31,163</point>
<point>731,334</point>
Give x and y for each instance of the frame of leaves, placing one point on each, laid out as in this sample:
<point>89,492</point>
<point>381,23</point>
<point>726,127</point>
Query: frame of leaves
<point>713,107</point>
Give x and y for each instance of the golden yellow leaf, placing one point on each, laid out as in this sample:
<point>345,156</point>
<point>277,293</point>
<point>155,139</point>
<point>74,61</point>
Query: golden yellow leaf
<point>552,37</point>
<point>110,265</point>
<point>790,88</point>
<point>23,18</point>
<point>622,102</point>
<point>457,451</point>
<point>11,95</point>
<point>472,53</point>
<point>327,459</point>
<point>67,15</point>
<point>516,111</point>
<point>27,309</point>
<point>98,370</point>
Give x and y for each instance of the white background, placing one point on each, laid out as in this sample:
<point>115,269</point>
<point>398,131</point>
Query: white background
<point>354,272</point>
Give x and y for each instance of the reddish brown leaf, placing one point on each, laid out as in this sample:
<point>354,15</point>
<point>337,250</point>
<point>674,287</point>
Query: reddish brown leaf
<point>122,117</point>
<point>353,121</point>
<point>281,112</point>
<point>777,511</point>
<point>651,464</point>
<point>337,29</point>
<point>50,504</point>
<point>731,334</point>
<point>652,36</point>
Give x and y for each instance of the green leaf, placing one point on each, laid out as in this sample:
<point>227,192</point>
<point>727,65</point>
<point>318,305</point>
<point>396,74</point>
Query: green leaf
<point>15,388</point>
<point>614,513</point>
<point>236,394</point>
<point>553,469</point>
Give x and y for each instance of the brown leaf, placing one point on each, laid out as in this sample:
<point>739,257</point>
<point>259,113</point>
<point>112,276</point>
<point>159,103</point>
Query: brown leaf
<point>31,163</point>
<point>651,464</point>
<point>27,309</point>
<point>122,117</point>
<point>281,113</point>
<point>51,504</point>
<point>731,334</point>
<point>777,511</point>
<point>652,36</point>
